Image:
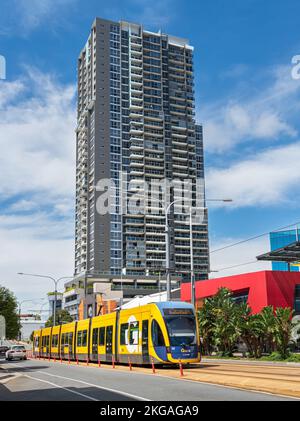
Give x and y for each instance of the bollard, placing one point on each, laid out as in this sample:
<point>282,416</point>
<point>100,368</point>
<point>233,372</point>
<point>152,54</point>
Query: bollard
<point>99,363</point>
<point>49,358</point>
<point>129,362</point>
<point>55,359</point>
<point>181,368</point>
<point>153,366</point>
<point>77,362</point>
<point>69,360</point>
<point>87,361</point>
<point>113,362</point>
<point>61,360</point>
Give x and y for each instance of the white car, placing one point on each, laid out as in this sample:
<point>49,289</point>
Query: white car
<point>16,351</point>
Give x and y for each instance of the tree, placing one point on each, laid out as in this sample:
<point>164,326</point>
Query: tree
<point>284,326</point>
<point>251,330</point>
<point>268,320</point>
<point>9,309</point>
<point>62,317</point>
<point>205,321</point>
<point>218,321</point>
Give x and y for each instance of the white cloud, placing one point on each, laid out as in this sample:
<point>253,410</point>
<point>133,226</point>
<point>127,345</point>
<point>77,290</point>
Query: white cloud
<point>267,114</point>
<point>37,182</point>
<point>27,250</point>
<point>37,138</point>
<point>225,260</point>
<point>268,178</point>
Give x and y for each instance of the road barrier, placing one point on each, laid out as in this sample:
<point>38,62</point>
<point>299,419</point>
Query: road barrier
<point>181,369</point>
<point>129,362</point>
<point>153,366</point>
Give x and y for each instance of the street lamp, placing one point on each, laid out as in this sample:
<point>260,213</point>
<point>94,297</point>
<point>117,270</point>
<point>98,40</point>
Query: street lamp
<point>193,286</point>
<point>55,284</point>
<point>20,312</point>
<point>168,260</point>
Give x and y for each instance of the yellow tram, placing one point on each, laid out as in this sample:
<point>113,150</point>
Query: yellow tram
<point>165,333</point>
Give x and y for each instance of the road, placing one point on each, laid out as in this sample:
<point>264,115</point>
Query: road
<point>48,381</point>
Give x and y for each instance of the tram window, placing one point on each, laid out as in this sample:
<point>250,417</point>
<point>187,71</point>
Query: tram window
<point>63,339</point>
<point>79,338</point>
<point>84,338</point>
<point>54,340</point>
<point>134,333</point>
<point>124,333</point>
<point>157,335</point>
<point>70,338</point>
<point>102,336</point>
<point>95,336</point>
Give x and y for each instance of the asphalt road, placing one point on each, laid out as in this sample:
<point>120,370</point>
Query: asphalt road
<point>35,380</point>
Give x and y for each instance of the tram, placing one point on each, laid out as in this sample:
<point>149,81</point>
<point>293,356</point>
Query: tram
<point>163,333</point>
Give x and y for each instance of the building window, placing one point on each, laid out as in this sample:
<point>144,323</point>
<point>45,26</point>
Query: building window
<point>297,300</point>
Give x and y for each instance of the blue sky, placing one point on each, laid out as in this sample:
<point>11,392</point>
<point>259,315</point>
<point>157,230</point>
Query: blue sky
<point>246,99</point>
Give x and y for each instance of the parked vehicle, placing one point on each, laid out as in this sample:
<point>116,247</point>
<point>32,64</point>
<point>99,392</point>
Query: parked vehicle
<point>16,352</point>
<point>3,350</point>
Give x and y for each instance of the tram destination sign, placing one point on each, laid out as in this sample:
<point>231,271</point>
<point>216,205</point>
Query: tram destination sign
<point>178,312</point>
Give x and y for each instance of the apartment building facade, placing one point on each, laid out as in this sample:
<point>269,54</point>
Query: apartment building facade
<point>136,127</point>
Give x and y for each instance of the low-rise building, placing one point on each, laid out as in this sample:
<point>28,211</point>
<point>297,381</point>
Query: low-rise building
<point>88,295</point>
<point>29,323</point>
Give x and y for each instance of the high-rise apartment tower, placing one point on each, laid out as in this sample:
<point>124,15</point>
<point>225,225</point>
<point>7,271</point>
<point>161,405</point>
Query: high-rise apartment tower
<point>136,125</point>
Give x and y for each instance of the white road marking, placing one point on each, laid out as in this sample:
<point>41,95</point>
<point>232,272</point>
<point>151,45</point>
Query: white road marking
<point>62,387</point>
<point>129,395</point>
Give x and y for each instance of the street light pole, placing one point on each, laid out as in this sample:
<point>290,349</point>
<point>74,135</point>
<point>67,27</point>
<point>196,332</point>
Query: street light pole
<point>55,284</point>
<point>20,312</point>
<point>193,292</point>
<point>168,256</point>
<point>204,208</point>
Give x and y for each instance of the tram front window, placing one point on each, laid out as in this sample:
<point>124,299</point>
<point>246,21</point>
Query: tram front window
<point>182,330</point>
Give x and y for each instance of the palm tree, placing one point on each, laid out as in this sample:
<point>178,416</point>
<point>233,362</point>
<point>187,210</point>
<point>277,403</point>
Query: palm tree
<point>218,322</point>
<point>284,326</point>
<point>268,326</point>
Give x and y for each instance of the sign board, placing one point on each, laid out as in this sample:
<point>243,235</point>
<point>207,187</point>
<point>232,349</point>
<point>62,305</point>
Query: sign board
<point>2,327</point>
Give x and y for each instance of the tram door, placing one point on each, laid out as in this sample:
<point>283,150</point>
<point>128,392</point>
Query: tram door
<point>145,341</point>
<point>109,339</point>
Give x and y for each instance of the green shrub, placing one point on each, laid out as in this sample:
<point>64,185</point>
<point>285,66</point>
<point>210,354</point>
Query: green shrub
<point>293,358</point>
<point>275,356</point>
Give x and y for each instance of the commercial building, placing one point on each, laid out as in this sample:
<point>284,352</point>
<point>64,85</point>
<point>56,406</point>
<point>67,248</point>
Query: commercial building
<point>279,239</point>
<point>136,126</point>
<point>87,296</point>
<point>258,289</point>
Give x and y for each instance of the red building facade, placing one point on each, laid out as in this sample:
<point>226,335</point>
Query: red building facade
<point>260,289</point>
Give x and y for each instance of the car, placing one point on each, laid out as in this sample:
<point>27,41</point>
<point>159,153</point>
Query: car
<point>16,351</point>
<point>3,350</point>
